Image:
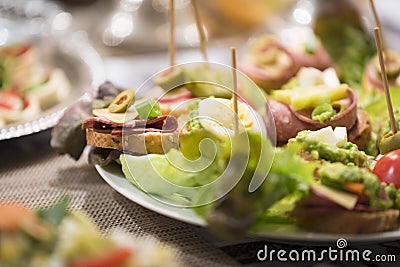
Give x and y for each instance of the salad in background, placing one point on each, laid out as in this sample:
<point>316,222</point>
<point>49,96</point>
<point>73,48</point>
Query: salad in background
<point>55,236</point>
<point>27,86</point>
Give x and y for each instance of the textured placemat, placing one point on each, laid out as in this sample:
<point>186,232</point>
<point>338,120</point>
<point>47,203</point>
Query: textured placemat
<point>33,174</point>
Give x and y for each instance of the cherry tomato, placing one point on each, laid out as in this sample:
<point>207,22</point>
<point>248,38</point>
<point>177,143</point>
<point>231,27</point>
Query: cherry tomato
<point>388,168</point>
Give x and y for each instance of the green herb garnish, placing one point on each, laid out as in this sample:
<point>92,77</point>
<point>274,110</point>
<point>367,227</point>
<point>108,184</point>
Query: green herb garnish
<point>148,109</point>
<point>323,112</point>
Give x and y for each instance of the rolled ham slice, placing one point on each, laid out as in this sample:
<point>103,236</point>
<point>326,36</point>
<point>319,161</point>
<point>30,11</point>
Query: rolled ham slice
<point>289,122</point>
<point>270,76</point>
<point>371,79</point>
<point>319,59</point>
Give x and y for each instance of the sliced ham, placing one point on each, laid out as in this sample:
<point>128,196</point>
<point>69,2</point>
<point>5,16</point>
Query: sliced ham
<point>319,59</point>
<point>289,122</point>
<point>317,204</point>
<point>164,124</point>
<point>267,77</point>
<point>372,79</point>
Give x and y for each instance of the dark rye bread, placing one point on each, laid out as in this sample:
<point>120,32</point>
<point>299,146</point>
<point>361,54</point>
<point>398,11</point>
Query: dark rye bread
<point>360,134</point>
<point>144,143</point>
<point>350,222</point>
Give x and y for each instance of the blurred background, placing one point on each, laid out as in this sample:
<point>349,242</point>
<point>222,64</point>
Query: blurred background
<point>126,41</point>
<point>134,26</point>
<point>131,36</point>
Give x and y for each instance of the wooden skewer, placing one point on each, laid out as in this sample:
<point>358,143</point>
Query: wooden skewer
<point>234,94</point>
<point>171,33</point>
<point>200,30</point>
<point>378,43</point>
<point>379,25</point>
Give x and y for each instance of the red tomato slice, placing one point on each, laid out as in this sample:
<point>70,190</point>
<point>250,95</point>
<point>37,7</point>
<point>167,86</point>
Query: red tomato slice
<point>388,168</point>
<point>11,100</point>
<point>112,258</point>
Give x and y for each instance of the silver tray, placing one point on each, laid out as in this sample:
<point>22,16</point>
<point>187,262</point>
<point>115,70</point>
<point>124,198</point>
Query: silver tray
<point>59,48</point>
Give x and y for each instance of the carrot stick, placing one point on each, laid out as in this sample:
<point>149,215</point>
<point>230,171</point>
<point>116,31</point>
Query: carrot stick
<point>356,188</point>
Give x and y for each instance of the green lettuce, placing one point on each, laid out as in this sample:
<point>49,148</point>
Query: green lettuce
<point>375,105</point>
<point>242,210</point>
<point>172,176</point>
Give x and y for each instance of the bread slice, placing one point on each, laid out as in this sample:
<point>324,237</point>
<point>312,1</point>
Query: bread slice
<point>351,222</point>
<point>144,143</point>
<point>360,134</point>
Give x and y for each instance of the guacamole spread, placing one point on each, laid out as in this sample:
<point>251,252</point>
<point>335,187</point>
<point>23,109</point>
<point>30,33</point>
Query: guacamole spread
<point>380,195</point>
<point>343,152</point>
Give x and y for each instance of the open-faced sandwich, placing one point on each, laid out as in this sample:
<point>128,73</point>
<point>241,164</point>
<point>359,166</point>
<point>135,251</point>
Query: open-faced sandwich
<point>112,123</point>
<point>347,197</point>
<point>163,144</point>
<point>319,182</point>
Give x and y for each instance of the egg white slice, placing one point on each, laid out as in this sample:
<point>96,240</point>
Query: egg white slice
<point>217,116</point>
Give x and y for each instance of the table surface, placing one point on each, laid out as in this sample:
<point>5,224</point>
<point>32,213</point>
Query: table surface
<point>31,173</point>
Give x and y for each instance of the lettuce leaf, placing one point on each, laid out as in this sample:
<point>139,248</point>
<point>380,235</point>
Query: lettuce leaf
<point>172,175</point>
<point>241,209</point>
<point>375,105</point>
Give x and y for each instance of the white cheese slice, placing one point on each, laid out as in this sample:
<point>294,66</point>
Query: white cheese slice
<point>341,198</point>
<point>119,118</point>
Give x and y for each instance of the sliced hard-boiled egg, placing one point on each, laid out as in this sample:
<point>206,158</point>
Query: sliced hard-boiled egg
<point>341,134</point>
<point>309,77</point>
<point>329,136</point>
<point>330,77</point>
<point>217,115</point>
<point>119,118</point>
<point>324,135</point>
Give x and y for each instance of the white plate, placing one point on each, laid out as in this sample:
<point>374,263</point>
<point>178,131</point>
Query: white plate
<point>113,175</point>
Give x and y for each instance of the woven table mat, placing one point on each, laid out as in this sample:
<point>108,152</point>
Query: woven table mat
<point>33,174</point>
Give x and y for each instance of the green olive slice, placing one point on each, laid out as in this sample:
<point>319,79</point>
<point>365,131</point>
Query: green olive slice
<point>122,101</point>
<point>389,143</point>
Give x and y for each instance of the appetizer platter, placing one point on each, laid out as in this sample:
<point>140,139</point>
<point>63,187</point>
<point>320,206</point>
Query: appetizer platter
<point>41,73</point>
<point>292,151</point>
<point>113,175</point>
<point>35,104</point>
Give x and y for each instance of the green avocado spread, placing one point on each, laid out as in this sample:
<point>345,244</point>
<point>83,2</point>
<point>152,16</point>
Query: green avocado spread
<point>345,153</point>
<point>380,195</point>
